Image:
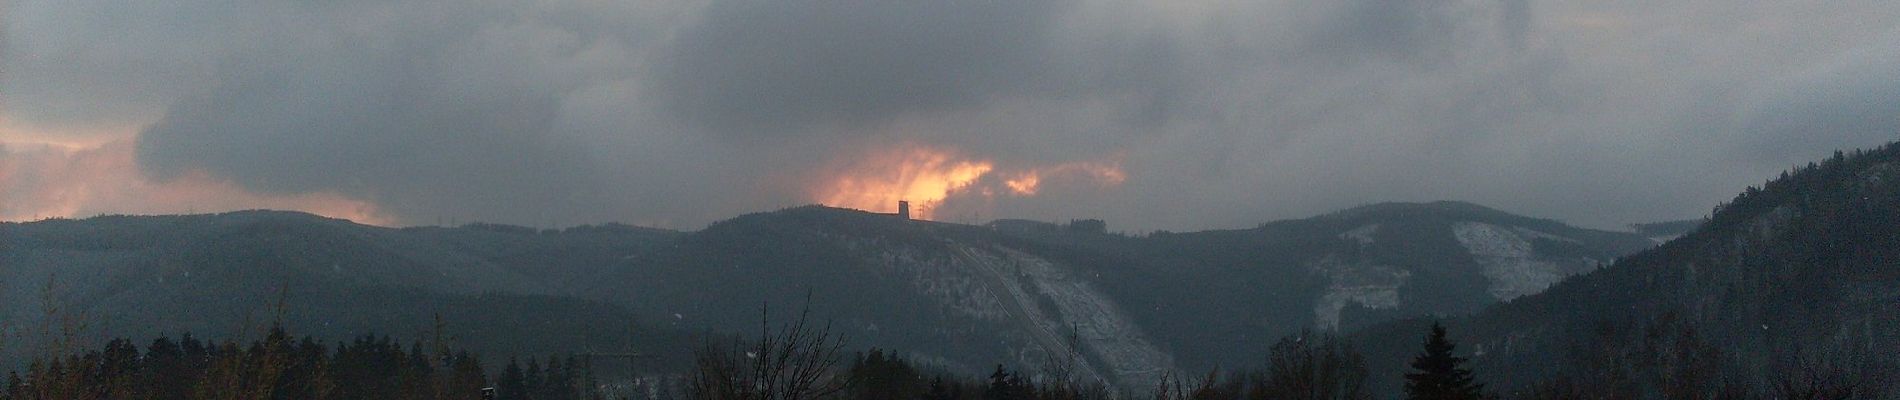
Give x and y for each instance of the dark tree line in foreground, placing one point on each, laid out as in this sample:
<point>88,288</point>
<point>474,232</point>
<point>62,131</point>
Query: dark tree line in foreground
<point>793,361</point>
<point>798,361</point>
<point>275,367</point>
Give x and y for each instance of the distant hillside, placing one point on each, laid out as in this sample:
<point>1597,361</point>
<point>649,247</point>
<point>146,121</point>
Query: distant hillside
<point>955,296</point>
<point>1666,230</point>
<point>966,296</point>
<point>222,275</point>
<point>1221,297</point>
<point>1799,276</point>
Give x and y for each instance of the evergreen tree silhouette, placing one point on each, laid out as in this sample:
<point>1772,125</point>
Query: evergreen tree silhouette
<point>941,391</point>
<point>1439,375</point>
<point>512,384</point>
<point>469,377</point>
<point>168,372</point>
<point>1007,386</point>
<point>534,381</point>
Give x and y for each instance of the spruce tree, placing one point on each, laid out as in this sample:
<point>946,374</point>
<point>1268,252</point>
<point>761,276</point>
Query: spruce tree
<point>1439,376</point>
<point>512,385</point>
<point>533,381</point>
<point>1008,386</point>
<point>999,385</point>
<point>469,377</point>
<point>941,391</point>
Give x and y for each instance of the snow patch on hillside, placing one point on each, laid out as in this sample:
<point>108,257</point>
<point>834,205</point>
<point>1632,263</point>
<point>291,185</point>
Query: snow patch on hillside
<point>1508,259</point>
<point>1043,301</point>
<point>1371,286</point>
<point>1115,348</point>
<point>951,284</point>
<point>1362,234</point>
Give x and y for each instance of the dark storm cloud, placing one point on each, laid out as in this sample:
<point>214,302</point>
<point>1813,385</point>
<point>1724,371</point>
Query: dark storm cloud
<point>1418,32</point>
<point>1018,82</point>
<point>429,109</point>
<point>768,67</point>
<point>1851,100</point>
<point>1222,114</point>
<point>81,61</point>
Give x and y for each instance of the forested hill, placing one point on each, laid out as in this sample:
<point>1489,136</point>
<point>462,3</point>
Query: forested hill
<point>501,290</point>
<point>1793,282</point>
<point>963,297</point>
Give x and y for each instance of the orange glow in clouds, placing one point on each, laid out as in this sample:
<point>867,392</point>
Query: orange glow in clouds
<point>1026,183</point>
<point>921,175</point>
<point>48,180</point>
<point>927,176</point>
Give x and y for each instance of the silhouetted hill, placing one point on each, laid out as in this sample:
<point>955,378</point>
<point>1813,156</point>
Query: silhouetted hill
<point>222,275</point>
<point>1666,230</point>
<point>966,296</point>
<point>956,296</point>
<point>1803,270</point>
<point>1221,297</point>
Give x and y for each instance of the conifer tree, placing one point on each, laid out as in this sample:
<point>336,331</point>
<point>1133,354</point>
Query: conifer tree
<point>167,374</point>
<point>15,387</point>
<point>534,381</point>
<point>1439,375</point>
<point>272,368</point>
<point>469,377</point>
<point>1005,385</point>
<point>941,391</point>
<point>512,384</point>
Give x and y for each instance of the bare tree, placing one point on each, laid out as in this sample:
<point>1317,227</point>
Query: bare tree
<point>1172,387</point>
<point>1061,367</point>
<point>794,361</point>
<point>1805,376</point>
<point>1314,366</point>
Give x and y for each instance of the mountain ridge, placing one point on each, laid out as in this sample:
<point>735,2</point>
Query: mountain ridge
<point>1802,267</point>
<point>958,296</point>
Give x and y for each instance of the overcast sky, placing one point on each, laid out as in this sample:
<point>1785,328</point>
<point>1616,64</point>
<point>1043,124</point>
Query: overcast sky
<point>1171,114</point>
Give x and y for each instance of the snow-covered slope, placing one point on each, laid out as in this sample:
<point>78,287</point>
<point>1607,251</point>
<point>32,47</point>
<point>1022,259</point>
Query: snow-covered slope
<point>1053,314</point>
<point>1391,255</point>
<point>1512,264</point>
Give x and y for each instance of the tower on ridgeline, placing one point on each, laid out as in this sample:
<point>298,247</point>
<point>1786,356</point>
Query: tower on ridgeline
<point>903,209</point>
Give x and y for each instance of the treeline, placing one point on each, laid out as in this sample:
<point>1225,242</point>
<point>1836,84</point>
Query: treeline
<point>1669,357</point>
<point>1302,367</point>
<point>275,367</point>
<point>795,361</point>
<point>571,379</point>
<point>799,361</point>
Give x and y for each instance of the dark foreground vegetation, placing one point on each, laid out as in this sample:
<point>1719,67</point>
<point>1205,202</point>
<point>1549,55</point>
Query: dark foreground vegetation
<point>797,360</point>
<point>800,360</point>
<point>275,367</point>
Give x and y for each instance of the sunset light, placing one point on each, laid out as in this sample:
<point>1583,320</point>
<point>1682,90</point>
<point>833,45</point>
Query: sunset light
<point>58,181</point>
<point>1027,183</point>
<point>928,176</point>
<point>921,175</point>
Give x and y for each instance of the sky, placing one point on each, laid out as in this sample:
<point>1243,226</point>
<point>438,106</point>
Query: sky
<point>1169,114</point>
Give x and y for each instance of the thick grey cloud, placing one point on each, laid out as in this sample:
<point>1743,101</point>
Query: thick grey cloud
<point>83,61</point>
<point>768,67</point>
<point>832,72</point>
<point>423,107</point>
<point>1221,114</point>
<point>1419,32</point>
<point>1851,98</point>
